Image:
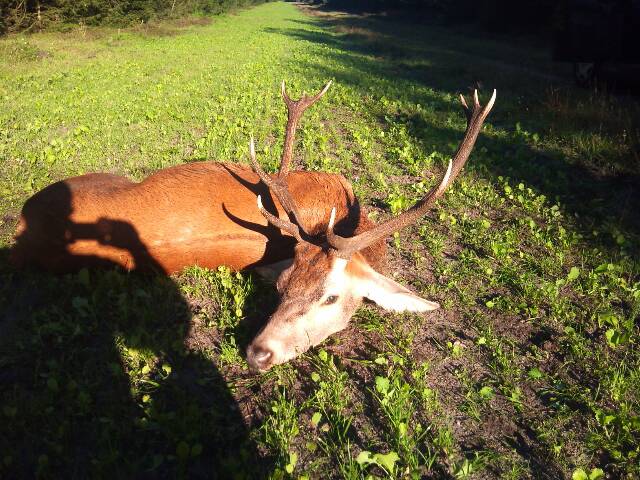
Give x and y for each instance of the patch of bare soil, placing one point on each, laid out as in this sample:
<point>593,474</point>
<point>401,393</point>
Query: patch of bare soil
<point>201,337</point>
<point>169,28</point>
<point>192,21</point>
<point>318,11</point>
<point>151,29</point>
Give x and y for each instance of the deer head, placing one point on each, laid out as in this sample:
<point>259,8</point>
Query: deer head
<point>329,276</point>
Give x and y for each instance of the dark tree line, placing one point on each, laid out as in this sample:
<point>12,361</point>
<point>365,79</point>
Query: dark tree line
<point>497,15</point>
<point>30,15</point>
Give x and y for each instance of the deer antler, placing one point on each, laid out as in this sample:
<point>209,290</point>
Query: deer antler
<point>278,185</point>
<point>345,247</point>
<point>295,109</point>
<point>288,227</point>
<point>279,188</point>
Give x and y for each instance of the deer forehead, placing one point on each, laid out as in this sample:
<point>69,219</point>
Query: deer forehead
<point>316,274</point>
<point>337,278</point>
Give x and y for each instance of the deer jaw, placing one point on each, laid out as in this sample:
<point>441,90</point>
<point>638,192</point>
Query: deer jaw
<point>319,294</point>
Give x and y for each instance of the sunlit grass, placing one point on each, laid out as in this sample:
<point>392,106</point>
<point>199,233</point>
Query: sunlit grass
<point>531,366</point>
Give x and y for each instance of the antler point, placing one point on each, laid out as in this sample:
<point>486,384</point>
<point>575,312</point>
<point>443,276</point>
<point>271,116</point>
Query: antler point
<point>332,218</point>
<point>252,148</point>
<point>492,100</point>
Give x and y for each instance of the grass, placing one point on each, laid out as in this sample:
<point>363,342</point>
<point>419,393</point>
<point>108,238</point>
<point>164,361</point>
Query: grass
<point>530,370</point>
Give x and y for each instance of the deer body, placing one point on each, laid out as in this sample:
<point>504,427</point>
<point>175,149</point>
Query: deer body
<point>194,214</point>
<point>326,253</point>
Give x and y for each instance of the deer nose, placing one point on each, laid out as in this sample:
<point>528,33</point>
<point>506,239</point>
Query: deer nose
<point>259,358</point>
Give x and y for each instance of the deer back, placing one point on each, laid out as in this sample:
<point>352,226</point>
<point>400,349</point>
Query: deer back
<point>199,213</point>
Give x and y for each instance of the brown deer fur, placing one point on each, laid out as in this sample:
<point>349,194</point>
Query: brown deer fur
<point>194,214</point>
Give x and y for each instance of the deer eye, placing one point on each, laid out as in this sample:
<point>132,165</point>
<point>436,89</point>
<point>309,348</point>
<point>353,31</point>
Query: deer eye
<point>331,299</point>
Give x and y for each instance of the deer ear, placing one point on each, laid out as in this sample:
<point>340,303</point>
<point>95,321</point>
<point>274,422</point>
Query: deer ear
<point>387,293</point>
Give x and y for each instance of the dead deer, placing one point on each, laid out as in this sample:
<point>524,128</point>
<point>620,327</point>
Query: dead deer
<point>327,255</point>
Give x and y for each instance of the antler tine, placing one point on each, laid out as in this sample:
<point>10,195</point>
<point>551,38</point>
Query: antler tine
<point>277,222</point>
<point>281,191</point>
<point>345,247</point>
<point>278,185</point>
<point>285,96</point>
<point>295,109</point>
<point>465,108</point>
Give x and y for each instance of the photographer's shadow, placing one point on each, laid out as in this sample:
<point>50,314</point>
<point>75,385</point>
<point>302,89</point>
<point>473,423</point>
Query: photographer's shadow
<point>97,379</point>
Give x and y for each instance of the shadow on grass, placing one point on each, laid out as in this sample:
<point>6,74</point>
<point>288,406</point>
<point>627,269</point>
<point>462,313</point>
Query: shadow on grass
<point>97,379</point>
<point>417,68</point>
<point>396,58</point>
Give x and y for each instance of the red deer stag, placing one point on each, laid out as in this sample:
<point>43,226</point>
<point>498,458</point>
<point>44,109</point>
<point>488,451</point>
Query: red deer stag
<point>313,234</point>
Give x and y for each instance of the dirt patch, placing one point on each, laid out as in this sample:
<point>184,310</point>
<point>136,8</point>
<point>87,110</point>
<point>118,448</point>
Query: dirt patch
<point>362,32</point>
<point>191,22</point>
<point>201,337</point>
<point>169,28</point>
<point>155,30</point>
